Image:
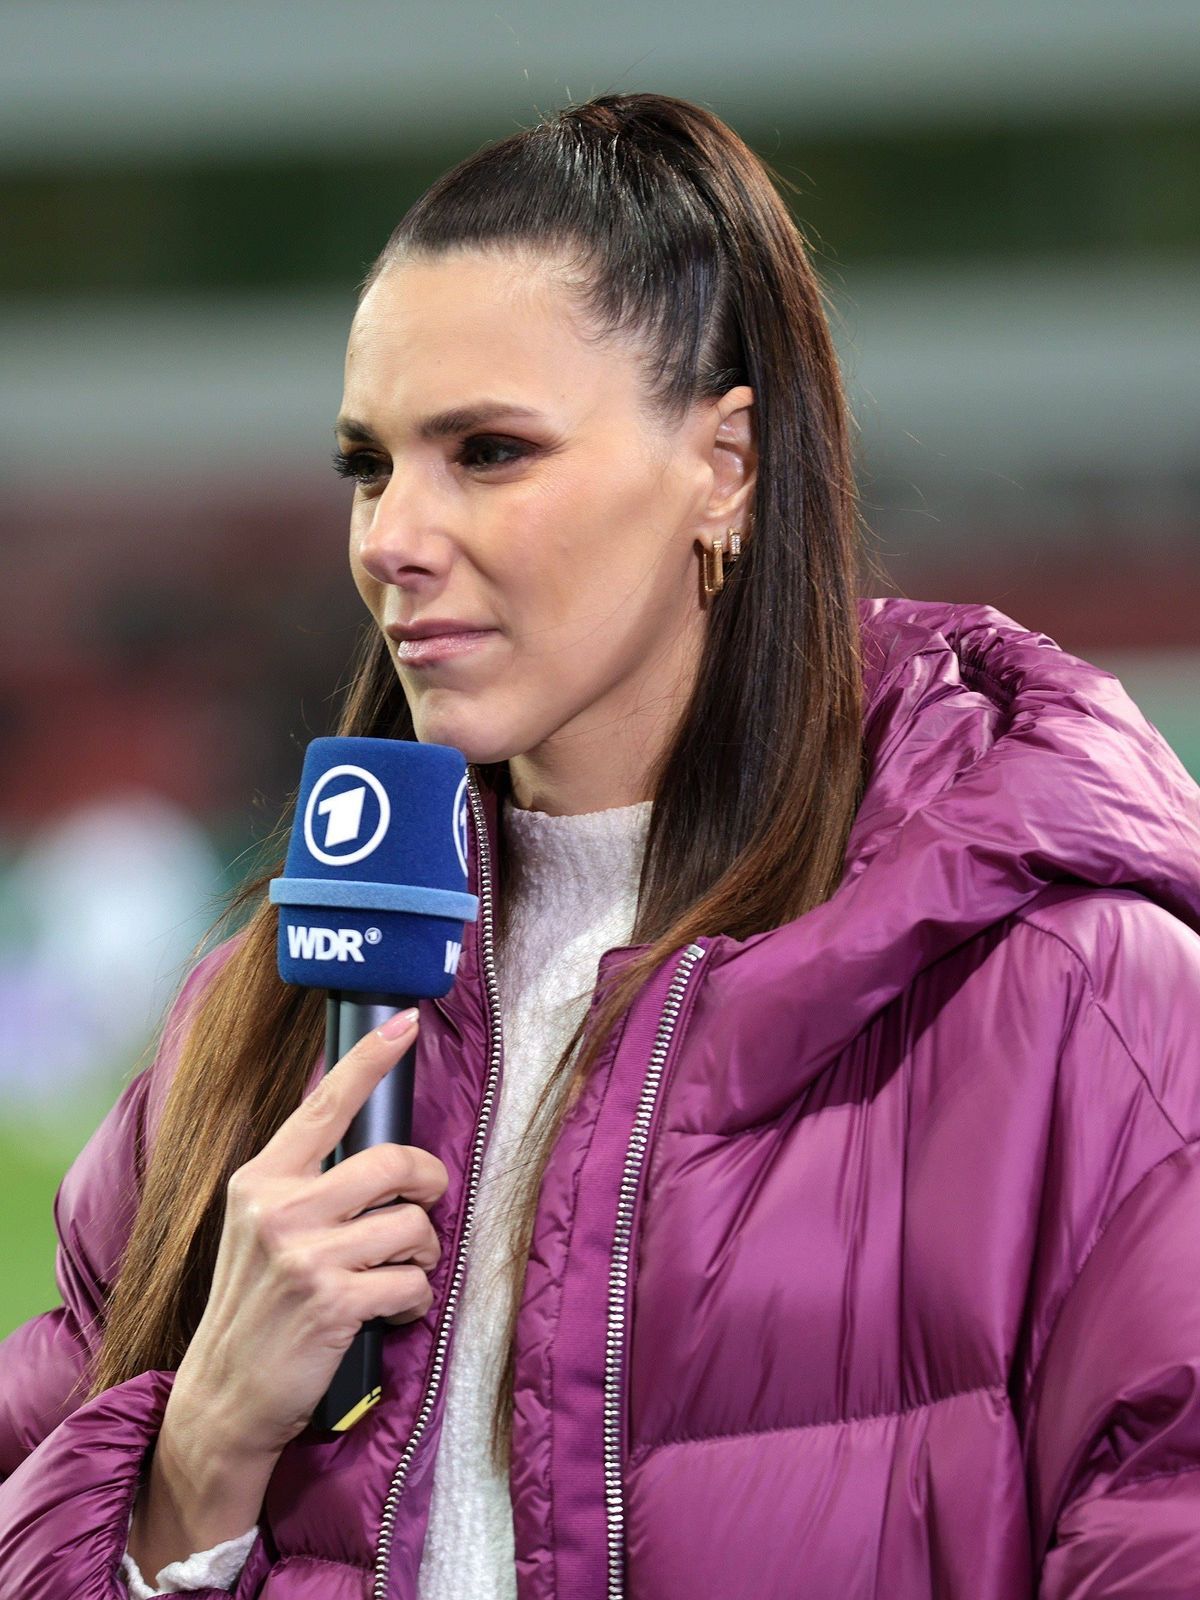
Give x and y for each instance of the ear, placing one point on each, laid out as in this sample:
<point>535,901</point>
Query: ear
<point>733,455</point>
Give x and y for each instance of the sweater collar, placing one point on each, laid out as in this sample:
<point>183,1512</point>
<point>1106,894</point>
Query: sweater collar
<point>588,855</point>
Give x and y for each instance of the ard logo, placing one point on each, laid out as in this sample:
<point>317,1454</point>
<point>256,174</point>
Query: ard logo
<point>346,817</point>
<point>459,824</point>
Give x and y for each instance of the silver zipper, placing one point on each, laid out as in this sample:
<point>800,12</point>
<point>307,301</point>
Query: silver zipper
<point>618,1277</point>
<point>387,1528</point>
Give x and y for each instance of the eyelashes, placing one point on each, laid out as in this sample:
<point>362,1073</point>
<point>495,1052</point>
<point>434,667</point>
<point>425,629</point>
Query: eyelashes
<point>363,466</point>
<point>352,466</point>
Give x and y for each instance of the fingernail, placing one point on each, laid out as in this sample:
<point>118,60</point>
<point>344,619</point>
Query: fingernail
<point>396,1027</point>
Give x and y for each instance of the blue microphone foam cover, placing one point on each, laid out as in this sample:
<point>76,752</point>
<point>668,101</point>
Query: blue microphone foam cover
<point>373,895</point>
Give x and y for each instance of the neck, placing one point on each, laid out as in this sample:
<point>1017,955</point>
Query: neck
<point>594,777</point>
<point>602,786</point>
<point>605,756</point>
<point>578,806</point>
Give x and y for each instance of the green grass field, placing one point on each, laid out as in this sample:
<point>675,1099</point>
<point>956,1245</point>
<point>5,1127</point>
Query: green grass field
<point>33,1159</point>
<point>26,1245</point>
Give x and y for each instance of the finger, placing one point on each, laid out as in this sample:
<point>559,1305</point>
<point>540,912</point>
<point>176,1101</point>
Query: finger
<point>389,1292</point>
<point>401,1318</point>
<point>376,1177</point>
<point>319,1122</point>
<point>390,1237</point>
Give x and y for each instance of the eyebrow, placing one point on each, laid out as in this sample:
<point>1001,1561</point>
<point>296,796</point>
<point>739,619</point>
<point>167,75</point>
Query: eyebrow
<point>459,419</point>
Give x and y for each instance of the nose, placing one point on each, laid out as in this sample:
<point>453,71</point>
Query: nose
<point>400,539</point>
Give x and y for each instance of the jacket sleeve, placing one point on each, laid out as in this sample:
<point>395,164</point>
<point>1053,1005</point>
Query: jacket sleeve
<point>1117,1446</point>
<point>71,1467</point>
<point>1113,1437</point>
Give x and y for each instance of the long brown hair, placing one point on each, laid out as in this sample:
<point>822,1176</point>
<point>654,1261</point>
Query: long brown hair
<point>675,234</point>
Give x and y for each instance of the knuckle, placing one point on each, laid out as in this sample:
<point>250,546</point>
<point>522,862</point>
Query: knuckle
<point>414,1236</point>
<point>411,1167</point>
<point>273,1225</point>
<point>402,1295</point>
<point>319,1105</point>
<point>412,1287</point>
<point>240,1188</point>
<point>398,1164</point>
<point>411,1309</point>
<point>432,1245</point>
<point>297,1268</point>
<point>326,1302</point>
<point>247,1205</point>
<point>428,1171</point>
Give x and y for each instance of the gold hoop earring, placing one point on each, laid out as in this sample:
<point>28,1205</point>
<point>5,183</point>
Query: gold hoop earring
<point>714,556</point>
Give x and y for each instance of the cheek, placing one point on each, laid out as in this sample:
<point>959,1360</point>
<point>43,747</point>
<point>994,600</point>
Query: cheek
<point>369,594</point>
<point>370,589</point>
<point>582,555</point>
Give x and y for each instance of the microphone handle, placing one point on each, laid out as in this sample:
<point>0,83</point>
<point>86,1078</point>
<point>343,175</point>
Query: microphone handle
<point>384,1118</point>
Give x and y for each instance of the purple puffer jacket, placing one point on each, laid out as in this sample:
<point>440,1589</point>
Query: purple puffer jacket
<point>868,1263</point>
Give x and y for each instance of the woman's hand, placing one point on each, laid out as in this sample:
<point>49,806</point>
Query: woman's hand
<point>303,1261</point>
<point>299,1268</point>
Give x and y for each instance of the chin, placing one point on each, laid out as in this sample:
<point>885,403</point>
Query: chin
<point>478,745</point>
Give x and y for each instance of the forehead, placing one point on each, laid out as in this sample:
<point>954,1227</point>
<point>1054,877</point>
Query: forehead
<point>429,329</point>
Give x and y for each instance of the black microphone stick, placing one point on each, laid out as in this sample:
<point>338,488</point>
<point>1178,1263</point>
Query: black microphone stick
<point>385,1117</point>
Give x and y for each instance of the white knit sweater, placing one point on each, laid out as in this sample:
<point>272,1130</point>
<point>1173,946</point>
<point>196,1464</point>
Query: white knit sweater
<point>572,893</point>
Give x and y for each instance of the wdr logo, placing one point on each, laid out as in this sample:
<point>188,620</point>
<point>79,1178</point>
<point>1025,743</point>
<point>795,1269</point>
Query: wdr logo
<point>324,944</point>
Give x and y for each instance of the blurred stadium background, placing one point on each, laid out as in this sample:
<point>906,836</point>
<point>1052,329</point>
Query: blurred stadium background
<point>1003,202</point>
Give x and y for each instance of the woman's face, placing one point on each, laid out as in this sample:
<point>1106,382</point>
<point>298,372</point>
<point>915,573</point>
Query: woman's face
<point>561,520</point>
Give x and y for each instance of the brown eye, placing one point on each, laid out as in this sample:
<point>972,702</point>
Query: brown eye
<point>354,465</point>
<point>485,445</point>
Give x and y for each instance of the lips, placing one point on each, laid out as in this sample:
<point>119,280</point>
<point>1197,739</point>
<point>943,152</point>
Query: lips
<point>442,646</point>
<point>427,627</point>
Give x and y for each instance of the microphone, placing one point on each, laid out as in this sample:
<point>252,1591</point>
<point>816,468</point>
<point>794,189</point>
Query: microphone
<point>372,904</point>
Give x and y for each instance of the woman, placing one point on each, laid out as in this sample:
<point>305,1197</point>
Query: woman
<point>804,1182</point>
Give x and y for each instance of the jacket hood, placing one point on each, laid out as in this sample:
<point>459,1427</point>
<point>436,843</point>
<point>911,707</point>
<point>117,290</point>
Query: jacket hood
<point>998,765</point>
<point>991,747</point>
